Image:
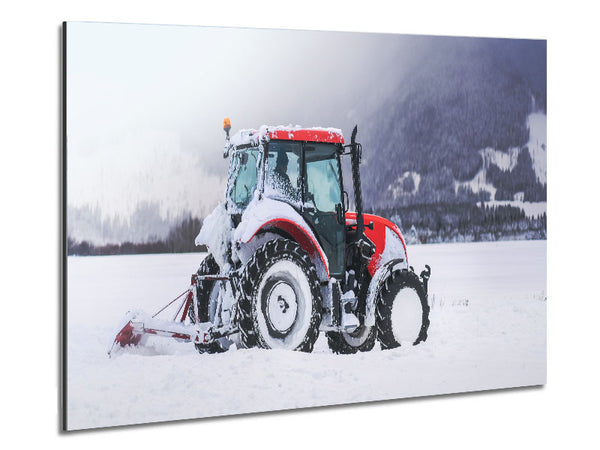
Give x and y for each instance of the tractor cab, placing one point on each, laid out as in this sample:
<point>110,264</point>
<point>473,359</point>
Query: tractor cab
<point>305,175</point>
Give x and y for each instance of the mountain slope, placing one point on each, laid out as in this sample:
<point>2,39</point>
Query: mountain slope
<point>467,97</point>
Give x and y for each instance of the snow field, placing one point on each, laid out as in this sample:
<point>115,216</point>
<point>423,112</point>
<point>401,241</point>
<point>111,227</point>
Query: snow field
<point>488,331</point>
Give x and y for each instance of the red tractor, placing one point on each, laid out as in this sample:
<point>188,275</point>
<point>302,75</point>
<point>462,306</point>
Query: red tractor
<point>287,259</point>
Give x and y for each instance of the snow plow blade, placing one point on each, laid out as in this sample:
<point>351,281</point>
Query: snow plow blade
<point>137,329</point>
<point>129,335</point>
<point>137,325</point>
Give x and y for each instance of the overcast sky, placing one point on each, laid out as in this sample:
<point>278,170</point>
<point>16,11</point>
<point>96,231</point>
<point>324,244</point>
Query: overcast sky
<point>145,103</point>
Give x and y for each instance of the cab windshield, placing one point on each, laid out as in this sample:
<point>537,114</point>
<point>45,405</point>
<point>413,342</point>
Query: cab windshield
<point>304,175</point>
<point>244,163</point>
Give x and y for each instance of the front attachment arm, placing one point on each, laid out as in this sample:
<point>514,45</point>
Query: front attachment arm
<point>137,325</point>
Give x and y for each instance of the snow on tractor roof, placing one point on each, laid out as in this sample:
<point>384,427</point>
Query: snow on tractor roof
<point>288,133</point>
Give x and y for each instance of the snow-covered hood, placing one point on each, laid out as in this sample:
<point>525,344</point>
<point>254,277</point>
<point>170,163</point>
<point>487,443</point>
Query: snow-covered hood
<point>261,211</point>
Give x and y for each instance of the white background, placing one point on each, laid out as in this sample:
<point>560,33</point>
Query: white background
<point>562,413</point>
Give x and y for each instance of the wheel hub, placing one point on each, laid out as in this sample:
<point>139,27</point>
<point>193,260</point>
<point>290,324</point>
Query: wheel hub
<point>283,304</point>
<point>282,307</point>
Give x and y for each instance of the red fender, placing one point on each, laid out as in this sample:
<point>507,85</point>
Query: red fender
<point>302,236</point>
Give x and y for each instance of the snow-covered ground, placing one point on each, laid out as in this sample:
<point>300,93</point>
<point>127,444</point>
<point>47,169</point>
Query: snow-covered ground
<point>488,331</point>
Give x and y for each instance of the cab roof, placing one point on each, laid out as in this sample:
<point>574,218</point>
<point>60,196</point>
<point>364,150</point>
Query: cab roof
<point>287,133</point>
<point>329,135</point>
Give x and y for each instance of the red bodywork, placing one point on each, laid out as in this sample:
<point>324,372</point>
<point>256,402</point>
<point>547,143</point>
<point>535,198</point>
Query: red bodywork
<point>377,235</point>
<point>311,135</point>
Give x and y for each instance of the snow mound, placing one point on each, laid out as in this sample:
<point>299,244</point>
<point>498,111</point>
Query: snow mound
<point>216,233</point>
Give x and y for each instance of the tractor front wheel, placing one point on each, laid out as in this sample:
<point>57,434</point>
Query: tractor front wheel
<point>402,314</point>
<point>281,305</point>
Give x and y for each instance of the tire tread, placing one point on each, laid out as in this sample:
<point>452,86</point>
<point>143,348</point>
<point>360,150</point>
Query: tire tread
<point>397,280</point>
<point>270,252</point>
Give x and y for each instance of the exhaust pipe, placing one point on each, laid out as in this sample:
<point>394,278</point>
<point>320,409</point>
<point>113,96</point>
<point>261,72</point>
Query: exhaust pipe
<point>356,149</point>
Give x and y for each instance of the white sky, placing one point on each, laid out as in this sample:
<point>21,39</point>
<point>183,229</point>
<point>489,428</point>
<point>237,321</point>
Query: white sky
<point>145,103</point>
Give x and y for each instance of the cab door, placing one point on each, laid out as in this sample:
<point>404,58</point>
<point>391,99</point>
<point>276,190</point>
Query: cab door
<point>323,202</point>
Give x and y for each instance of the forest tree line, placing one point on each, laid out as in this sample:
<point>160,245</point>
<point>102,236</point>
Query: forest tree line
<point>180,239</point>
<point>465,222</point>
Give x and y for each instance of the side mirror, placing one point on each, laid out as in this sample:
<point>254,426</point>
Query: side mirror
<point>345,201</point>
<point>339,212</point>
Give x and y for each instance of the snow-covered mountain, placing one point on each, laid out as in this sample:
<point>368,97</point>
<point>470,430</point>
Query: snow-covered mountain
<point>467,124</point>
<point>506,163</point>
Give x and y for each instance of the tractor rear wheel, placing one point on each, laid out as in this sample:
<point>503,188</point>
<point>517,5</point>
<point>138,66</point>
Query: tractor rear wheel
<point>281,305</point>
<point>402,314</point>
<point>362,339</point>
